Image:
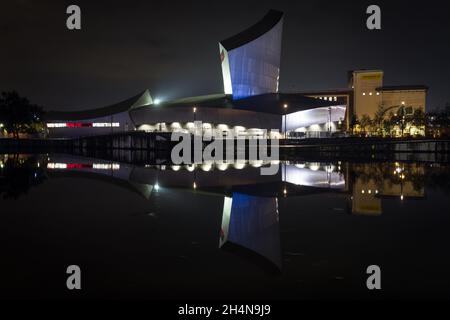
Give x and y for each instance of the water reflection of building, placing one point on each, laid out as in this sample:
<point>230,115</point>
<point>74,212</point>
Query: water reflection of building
<point>370,186</point>
<point>365,198</point>
<point>250,227</point>
<point>366,184</point>
<point>314,174</point>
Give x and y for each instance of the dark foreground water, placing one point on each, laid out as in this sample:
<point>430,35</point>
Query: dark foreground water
<point>223,231</point>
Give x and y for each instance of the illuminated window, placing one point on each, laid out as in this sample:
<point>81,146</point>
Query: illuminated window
<point>105,124</point>
<point>83,124</point>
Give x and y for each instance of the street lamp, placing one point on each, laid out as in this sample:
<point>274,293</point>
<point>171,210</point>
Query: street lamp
<point>194,111</point>
<point>285,115</point>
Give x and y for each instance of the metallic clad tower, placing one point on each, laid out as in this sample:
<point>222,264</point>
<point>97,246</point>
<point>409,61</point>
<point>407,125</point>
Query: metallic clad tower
<point>251,59</point>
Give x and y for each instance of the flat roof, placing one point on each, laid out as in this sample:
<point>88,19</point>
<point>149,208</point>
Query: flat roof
<point>327,91</point>
<point>366,70</point>
<point>263,26</point>
<point>272,103</point>
<point>402,88</point>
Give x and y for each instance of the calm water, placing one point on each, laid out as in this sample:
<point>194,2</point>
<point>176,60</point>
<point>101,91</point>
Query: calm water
<point>223,231</point>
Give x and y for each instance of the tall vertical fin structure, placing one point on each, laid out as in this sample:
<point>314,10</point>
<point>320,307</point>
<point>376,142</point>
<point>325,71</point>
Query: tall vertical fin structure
<point>251,59</point>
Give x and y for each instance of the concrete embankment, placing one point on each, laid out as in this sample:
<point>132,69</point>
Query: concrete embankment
<point>161,141</point>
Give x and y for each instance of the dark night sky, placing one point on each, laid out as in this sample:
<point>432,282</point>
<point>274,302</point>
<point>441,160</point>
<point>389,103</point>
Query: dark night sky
<point>171,47</point>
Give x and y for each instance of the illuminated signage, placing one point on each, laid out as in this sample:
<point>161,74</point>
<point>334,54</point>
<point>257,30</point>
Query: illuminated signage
<point>95,166</point>
<point>83,124</point>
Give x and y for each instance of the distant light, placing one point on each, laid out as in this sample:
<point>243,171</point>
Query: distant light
<point>285,106</point>
<point>156,187</point>
<point>194,185</point>
<point>378,93</point>
<point>370,93</point>
<point>403,102</point>
<point>156,101</point>
<point>194,109</point>
<point>364,93</point>
<point>284,191</point>
<point>401,197</point>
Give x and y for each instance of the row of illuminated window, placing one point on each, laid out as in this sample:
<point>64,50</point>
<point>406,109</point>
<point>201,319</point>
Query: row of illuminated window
<point>370,93</point>
<point>95,166</point>
<point>83,124</point>
<point>369,191</point>
<point>327,98</point>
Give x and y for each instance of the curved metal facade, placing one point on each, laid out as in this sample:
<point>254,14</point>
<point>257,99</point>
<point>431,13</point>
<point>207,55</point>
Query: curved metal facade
<point>251,60</point>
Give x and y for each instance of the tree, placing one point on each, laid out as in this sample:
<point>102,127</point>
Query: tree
<point>353,123</point>
<point>418,118</point>
<point>378,119</point>
<point>18,115</point>
<point>365,122</point>
<point>389,123</point>
<point>19,174</point>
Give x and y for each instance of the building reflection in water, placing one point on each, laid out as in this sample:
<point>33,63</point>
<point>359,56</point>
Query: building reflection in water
<point>250,227</point>
<point>250,218</point>
<point>370,183</point>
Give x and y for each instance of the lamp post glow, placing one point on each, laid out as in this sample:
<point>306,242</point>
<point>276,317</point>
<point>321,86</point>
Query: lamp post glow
<point>285,115</point>
<point>194,111</point>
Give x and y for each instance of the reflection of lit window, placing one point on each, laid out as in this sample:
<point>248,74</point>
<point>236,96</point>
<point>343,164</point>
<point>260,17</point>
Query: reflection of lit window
<point>106,166</point>
<point>56,165</point>
<point>56,125</point>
